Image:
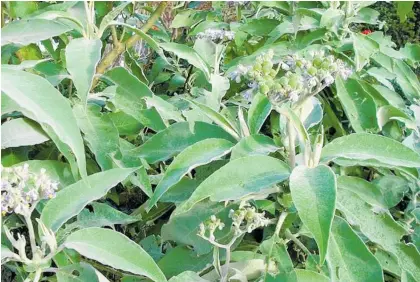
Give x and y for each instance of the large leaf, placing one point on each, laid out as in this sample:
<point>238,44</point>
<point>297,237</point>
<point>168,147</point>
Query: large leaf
<point>21,132</point>
<point>72,199</point>
<point>379,228</point>
<point>364,48</point>
<point>314,195</point>
<point>359,106</point>
<point>239,178</point>
<point>258,113</point>
<point>304,275</point>
<point>176,138</point>
<point>370,150</point>
<point>40,101</point>
<point>348,256</point>
<point>82,56</point>
<point>253,145</point>
<point>189,54</point>
<point>197,154</point>
<point>99,132</point>
<point>114,249</point>
<point>25,32</point>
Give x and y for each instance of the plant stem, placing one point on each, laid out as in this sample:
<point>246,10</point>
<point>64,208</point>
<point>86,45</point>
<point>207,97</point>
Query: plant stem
<point>31,233</point>
<point>110,58</point>
<point>295,240</point>
<point>280,222</point>
<point>37,275</point>
<point>115,40</point>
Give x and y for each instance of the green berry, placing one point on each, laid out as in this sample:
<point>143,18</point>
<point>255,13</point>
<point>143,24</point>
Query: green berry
<point>317,62</point>
<point>284,81</point>
<point>264,88</point>
<point>312,71</point>
<point>325,65</point>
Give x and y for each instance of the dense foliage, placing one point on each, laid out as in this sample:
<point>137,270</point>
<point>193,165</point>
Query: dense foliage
<point>208,141</point>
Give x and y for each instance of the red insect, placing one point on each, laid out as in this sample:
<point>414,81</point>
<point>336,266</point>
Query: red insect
<point>366,31</point>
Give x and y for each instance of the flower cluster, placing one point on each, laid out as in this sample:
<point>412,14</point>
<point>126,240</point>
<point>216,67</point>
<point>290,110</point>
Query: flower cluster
<point>217,35</point>
<point>21,189</point>
<point>246,219</point>
<point>298,75</point>
<point>210,226</point>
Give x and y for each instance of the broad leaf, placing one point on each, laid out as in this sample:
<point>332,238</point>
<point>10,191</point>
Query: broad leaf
<point>370,150</point>
<point>40,101</point>
<point>21,132</point>
<point>348,256</point>
<point>82,56</point>
<point>314,195</point>
<point>197,154</point>
<point>114,249</point>
<point>364,48</point>
<point>239,178</point>
<point>304,275</point>
<point>175,139</point>
<point>72,199</point>
<point>29,31</point>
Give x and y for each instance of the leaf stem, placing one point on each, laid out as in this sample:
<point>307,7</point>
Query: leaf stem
<point>295,240</point>
<point>31,233</point>
<point>292,150</point>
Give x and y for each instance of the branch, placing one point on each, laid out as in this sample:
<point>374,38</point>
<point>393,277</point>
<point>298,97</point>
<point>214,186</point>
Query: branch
<point>110,58</point>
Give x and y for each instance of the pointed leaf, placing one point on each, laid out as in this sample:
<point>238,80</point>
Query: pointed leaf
<point>239,178</point>
<point>197,154</point>
<point>21,132</point>
<point>72,199</point>
<point>253,145</point>
<point>82,56</point>
<point>258,113</point>
<point>114,249</point>
<point>314,195</point>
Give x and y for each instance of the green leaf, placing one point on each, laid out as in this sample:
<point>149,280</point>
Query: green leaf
<point>79,272</point>
<point>21,132</point>
<point>407,80</point>
<point>166,110</point>
<point>259,27</point>
<point>82,57</point>
<point>189,54</point>
<point>24,32</point>
<point>304,275</point>
<point>370,150</point>
<point>389,113</point>
<point>258,113</point>
<point>364,48</point>
<point>314,195</point>
<point>253,145</point>
<point>170,265</point>
<point>40,101</point>
<point>239,178</point>
<point>359,106</point>
<point>349,258</point>
<point>403,9</point>
<point>217,118</point>
<point>114,249</point>
<point>99,132</point>
<point>109,18</point>
<point>175,139</point>
<point>183,228</point>
<point>101,215</point>
<point>72,199</point>
<point>370,192</point>
<point>126,124</point>
<point>200,153</point>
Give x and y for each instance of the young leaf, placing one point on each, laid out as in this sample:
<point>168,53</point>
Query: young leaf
<point>114,249</point>
<point>72,199</point>
<point>197,154</point>
<point>21,132</point>
<point>82,56</point>
<point>40,101</point>
<point>239,178</point>
<point>370,149</point>
<point>314,195</point>
<point>349,258</point>
<point>175,139</point>
<point>258,113</point>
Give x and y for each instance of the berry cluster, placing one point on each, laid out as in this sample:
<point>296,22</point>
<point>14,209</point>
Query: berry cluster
<point>21,189</point>
<point>210,226</point>
<point>293,76</point>
<point>246,219</point>
<point>217,35</point>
